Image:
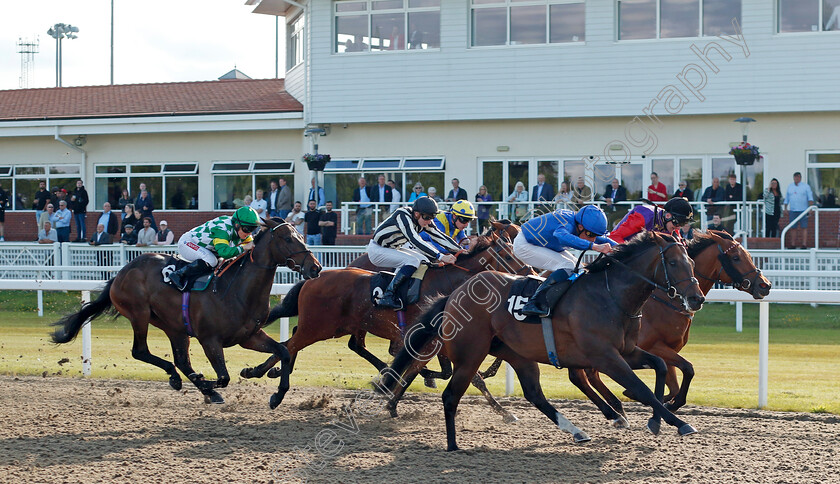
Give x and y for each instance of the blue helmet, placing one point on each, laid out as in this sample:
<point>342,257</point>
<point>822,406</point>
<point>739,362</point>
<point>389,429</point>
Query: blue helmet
<point>593,219</point>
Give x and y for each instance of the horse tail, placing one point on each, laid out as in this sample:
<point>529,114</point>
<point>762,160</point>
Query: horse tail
<point>69,326</point>
<point>288,307</point>
<point>417,337</point>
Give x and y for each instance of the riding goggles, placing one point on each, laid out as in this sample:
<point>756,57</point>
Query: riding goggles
<point>426,216</point>
<point>463,220</point>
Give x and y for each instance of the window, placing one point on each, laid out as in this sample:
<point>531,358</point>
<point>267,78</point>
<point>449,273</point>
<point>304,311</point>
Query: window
<point>172,186</point>
<point>21,182</point>
<point>386,25</point>
<point>295,54</point>
<point>664,168</point>
<point>808,15</point>
<point>824,177</point>
<point>520,22</point>
<point>235,180</point>
<point>662,19</point>
<point>691,172</point>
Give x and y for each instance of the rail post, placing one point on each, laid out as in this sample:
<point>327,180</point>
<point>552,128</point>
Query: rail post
<point>509,373</point>
<point>739,316</point>
<point>40,303</point>
<point>86,337</point>
<point>763,351</point>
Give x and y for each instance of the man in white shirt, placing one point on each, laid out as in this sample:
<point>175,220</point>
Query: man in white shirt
<point>798,198</point>
<point>296,217</point>
<point>47,235</point>
<point>396,196</point>
<point>146,235</point>
<point>260,206</point>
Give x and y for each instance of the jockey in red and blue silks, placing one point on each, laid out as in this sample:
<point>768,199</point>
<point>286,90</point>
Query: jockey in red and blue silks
<point>668,220</point>
<point>453,223</point>
<point>544,240</point>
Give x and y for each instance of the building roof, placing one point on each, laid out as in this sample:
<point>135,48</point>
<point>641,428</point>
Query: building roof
<point>232,96</point>
<point>235,74</point>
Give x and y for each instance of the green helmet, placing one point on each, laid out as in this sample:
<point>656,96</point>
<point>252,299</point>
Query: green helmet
<point>247,218</point>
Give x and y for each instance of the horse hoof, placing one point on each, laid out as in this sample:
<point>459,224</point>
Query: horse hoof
<point>620,423</point>
<point>393,412</point>
<point>430,382</point>
<point>581,437</point>
<point>687,429</point>
<point>654,425</point>
<point>214,398</point>
<point>273,373</point>
<point>175,382</point>
<point>275,400</point>
<point>510,418</point>
<point>246,373</point>
<point>452,448</point>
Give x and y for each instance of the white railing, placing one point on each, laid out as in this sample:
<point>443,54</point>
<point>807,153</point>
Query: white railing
<point>804,214</point>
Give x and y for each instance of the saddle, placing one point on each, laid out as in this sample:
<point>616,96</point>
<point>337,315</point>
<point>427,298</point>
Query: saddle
<point>195,283</point>
<point>408,293</point>
<point>524,287</point>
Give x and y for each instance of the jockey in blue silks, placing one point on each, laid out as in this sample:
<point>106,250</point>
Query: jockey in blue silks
<point>452,223</point>
<point>544,240</point>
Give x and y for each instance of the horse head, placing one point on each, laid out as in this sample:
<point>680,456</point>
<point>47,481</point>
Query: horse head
<point>496,249</point>
<point>286,246</point>
<point>738,268</point>
<point>678,272</point>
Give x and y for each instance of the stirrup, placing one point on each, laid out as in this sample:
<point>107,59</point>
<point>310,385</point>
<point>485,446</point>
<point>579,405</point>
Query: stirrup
<point>534,309</point>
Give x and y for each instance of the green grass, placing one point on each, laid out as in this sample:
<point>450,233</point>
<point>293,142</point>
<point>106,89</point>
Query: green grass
<point>804,355</point>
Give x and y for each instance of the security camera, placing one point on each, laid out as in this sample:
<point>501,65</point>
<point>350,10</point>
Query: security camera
<point>80,141</point>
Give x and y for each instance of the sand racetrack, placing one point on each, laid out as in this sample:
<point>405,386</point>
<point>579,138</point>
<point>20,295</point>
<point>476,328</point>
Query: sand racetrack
<point>74,430</point>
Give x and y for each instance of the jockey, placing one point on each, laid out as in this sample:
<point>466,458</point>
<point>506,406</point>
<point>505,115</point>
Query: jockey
<point>452,223</point>
<point>223,237</point>
<point>403,226</point>
<point>544,240</point>
<point>676,213</point>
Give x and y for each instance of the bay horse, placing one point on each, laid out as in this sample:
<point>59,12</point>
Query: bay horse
<point>665,327</point>
<point>338,304</point>
<point>234,315</point>
<point>595,326</point>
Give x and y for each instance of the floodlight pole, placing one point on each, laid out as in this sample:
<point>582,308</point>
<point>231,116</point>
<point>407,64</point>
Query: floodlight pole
<point>745,128</point>
<point>314,133</point>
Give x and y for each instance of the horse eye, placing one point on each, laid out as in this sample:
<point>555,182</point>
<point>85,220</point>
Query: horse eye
<point>672,263</point>
<point>736,258</point>
<point>289,240</point>
<point>508,258</point>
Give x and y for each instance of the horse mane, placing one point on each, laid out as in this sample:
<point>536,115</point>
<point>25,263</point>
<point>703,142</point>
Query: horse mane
<point>483,242</point>
<point>638,244</point>
<point>702,241</point>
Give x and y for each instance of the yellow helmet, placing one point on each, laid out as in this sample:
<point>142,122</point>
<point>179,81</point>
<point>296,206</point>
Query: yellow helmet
<point>463,208</point>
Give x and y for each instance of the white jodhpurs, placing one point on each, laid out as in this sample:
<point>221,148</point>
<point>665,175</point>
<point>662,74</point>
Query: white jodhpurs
<point>542,257</point>
<point>191,251</point>
<point>396,258</point>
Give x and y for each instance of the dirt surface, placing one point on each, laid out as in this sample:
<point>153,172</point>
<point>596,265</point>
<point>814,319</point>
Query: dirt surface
<point>74,430</point>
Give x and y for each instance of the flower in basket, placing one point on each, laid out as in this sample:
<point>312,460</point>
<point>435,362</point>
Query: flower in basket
<point>745,149</point>
<point>316,162</point>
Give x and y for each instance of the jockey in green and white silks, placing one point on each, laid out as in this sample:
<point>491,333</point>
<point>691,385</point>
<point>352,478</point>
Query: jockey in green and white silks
<point>223,237</point>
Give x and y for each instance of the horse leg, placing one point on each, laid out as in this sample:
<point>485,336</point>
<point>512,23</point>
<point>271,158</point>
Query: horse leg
<point>578,377</point>
<point>671,383</point>
<point>461,377</point>
<point>140,351</point>
<point>491,370</point>
<point>261,341</point>
<point>478,382</point>
<point>619,370</point>
<point>445,372</point>
<point>673,359</point>
<point>181,353</point>
<point>595,380</point>
<point>357,345</point>
<point>408,377</point>
<point>216,355</point>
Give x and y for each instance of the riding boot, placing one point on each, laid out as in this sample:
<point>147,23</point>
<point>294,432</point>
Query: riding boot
<point>389,297</point>
<point>182,276</point>
<point>537,305</point>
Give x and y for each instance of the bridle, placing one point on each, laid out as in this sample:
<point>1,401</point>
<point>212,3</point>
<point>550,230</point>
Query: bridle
<point>501,233</point>
<point>290,262</point>
<point>739,281</point>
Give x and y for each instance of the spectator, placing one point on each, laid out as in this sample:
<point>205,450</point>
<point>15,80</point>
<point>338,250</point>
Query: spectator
<point>47,215</point>
<point>381,193</point>
<point>396,196</point>
<point>78,203</point>
<point>717,224</point>
<point>482,212</point>
<point>178,201</point>
<point>687,231</point>
<point>457,193</point>
<point>273,201</point>
<point>129,237</point>
<point>246,202</point>
<point>259,205</point>
<point>144,207</point>
<point>519,195</point>
<point>564,196</point>
<point>124,200</point>
<point>656,191</point>
<point>47,235</point>
<point>828,200</point>
<point>295,217</point>
<point>146,235</point>
<point>165,236</point>
<point>542,191</point>
<point>417,192</point>
<point>109,220</point>
<point>20,201</point>
<point>62,221</point>
<point>684,191</point>
<point>732,191</point>
<point>54,198</point>
<point>321,197</point>
<point>101,237</point>
<point>361,195</point>
<point>329,225</point>
<point>433,195</point>
<point>772,208</point>
<point>312,217</point>
<point>42,198</point>
<point>4,202</point>
<point>712,194</point>
<point>131,218</point>
<point>284,200</point>
<point>798,198</point>
<point>613,194</point>
<point>581,193</point>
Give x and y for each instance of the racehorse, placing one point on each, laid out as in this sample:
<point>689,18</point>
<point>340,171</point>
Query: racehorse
<point>233,313</point>
<point>596,326</point>
<point>338,303</point>
<point>665,327</point>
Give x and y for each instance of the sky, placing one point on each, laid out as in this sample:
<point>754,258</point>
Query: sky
<point>154,41</point>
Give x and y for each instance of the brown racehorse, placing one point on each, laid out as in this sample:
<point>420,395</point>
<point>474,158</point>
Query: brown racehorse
<point>338,303</point>
<point>665,327</point>
<point>597,326</point>
<point>233,315</point>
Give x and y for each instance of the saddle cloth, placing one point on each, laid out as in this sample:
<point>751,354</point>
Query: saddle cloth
<point>524,287</point>
<point>408,293</point>
<point>199,283</point>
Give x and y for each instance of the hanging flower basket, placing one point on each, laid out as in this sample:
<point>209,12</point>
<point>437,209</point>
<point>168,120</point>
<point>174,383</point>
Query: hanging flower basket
<point>745,154</point>
<point>316,162</point>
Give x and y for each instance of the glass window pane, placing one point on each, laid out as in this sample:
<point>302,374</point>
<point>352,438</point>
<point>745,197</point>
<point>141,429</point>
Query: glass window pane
<point>30,170</point>
<point>572,169</point>
<point>603,175</point>
<point>492,179</point>
<point>24,194</point>
<point>831,15</point>
<point>387,4</point>
<point>489,27</point>
<point>517,171</point>
<point>486,2</point>
<point>7,184</point>
<point>110,169</point>
<point>351,33</point>
<point>145,168</point>
<point>631,179</point>
<point>550,169</point>
<point>824,158</point>
<point>691,172</point>
<point>181,193</point>
<point>350,6</point>
<point>179,167</point>
<point>228,189</point>
<point>244,166</point>
<point>636,19</point>
<point>108,190</point>
<point>722,167</point>
<point>824,182</point>
<point>428,179</point>
<point>65,170</point>
<point>755,179</point>
<point>527,25</point>
<point>388,31</point>
<point>424,30</point>
<point>423,3</point>
<point>799,15</point>
<point>568,22</point>
<point>274,165</point>
<point>342,185</point>
<point>423,163</point>
<point>335,165</point>
<point>665,169</point>
<point>154,185</point>
<point>5,171</point>
<point>679,18</point>
<point>718,15</point>
<point>380,164</point>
